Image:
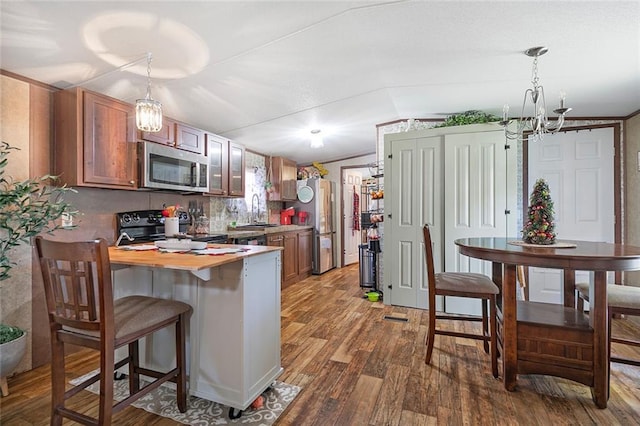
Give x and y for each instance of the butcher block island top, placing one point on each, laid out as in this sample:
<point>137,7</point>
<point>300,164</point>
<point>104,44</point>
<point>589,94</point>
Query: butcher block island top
<point>187,261</point>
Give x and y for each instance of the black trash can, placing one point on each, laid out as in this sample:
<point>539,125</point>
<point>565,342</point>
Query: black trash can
<point>367,267</point>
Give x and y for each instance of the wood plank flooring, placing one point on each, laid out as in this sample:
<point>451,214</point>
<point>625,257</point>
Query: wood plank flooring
<point>357,367</point>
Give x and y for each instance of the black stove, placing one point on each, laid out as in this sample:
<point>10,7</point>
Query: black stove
<point>146,226</point>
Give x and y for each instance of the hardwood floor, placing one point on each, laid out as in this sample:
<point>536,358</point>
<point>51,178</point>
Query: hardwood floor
<point>360,363</point>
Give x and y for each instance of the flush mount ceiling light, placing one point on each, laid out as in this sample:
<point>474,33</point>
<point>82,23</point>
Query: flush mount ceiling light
<point>316,139</point>
<point>538,123</point>
<point>148,110</point>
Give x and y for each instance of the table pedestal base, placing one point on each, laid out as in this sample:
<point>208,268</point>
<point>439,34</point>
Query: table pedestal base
<point>552,340</point>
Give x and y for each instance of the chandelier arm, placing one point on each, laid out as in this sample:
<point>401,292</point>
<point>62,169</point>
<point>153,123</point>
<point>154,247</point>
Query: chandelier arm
<point>545,115</point>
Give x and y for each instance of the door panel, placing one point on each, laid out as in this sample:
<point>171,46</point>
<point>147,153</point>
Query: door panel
<point>477,182</point>
<point>415,199</point>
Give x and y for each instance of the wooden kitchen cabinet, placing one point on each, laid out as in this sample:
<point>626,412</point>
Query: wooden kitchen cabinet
<point>305,244</point>
<point>276,240</point>
<point>290,253</point>
<point>284,175</point>
<point>166,135</point>
<point>95,140</point>
<point>218,153</point>
<point>236,170</point>
<point>190,139</point>
<point>226,166</point>
<point>296,256</point>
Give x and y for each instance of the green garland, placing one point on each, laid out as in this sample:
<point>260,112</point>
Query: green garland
<point>468,117</point>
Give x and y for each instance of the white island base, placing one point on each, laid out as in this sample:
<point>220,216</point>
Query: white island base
<point>233,339</point>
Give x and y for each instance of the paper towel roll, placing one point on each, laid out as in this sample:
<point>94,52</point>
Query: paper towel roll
<point>171,226</point>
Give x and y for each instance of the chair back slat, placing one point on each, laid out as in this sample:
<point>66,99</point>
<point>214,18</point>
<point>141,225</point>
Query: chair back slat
<point>431,273</point>
<point>77,289</point>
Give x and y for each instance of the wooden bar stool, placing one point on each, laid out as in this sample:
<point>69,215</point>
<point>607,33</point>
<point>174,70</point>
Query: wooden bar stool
<point>79,295</point>
<point>623,300</point>
<point>461,284</point>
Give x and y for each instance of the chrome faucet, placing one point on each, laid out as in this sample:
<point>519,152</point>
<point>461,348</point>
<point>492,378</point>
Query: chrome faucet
<point>123,234</point>
<point>253,213</point>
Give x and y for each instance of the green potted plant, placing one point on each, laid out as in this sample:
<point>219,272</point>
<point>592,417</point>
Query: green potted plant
<point>27,208</point>
<point>13,344</point>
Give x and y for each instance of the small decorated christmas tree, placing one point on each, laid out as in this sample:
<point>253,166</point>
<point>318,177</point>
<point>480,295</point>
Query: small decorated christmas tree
<point>539,228</point>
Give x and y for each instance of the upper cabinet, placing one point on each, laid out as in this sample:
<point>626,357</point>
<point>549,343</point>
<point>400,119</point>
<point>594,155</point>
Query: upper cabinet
<point>284,174</point>
<point>166,135</point>
<point>179,135</point>
<point>95,140</point>
<point>190,139</point>
<point>226,166</point>
<point>236,170</point>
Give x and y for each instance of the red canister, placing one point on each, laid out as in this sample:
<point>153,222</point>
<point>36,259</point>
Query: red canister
<point>302,218</point>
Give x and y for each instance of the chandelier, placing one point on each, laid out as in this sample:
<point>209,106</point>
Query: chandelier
<point>148,111</point>
<point>538,122</point>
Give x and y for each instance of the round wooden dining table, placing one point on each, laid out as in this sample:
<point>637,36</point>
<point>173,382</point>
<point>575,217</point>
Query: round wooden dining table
<point>541,338</point>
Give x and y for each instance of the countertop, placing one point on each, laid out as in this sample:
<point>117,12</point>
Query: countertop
<point>184,261</point>
<point>242,233</point>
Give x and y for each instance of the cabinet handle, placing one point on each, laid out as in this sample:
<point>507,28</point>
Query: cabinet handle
<point>132,182</point>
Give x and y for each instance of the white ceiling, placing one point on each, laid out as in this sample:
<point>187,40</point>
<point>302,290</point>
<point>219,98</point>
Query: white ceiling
<point>265,73</point>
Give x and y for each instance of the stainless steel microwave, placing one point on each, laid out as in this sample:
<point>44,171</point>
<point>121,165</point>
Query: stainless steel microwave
<point>165,167</point>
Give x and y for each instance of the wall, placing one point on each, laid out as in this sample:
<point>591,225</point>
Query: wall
<point>632,189</point>
<point>15,292</point>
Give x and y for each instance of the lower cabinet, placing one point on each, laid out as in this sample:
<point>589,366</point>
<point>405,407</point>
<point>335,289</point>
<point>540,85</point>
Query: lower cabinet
<point>290,253</point>
<point>296,256</point>
<point>305,247</point>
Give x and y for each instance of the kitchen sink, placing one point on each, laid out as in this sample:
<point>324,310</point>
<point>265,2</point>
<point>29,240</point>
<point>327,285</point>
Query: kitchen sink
<point>256,226</point>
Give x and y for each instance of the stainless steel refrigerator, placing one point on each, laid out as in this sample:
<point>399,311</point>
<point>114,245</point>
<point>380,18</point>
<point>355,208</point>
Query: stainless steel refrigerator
<point>317,199</point>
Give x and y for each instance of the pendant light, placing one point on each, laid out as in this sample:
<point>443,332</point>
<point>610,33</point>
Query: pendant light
<point>148,110</point>
<point>316,139</point>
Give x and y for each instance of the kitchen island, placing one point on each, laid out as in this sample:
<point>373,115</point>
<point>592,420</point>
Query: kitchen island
<point>233,338</point>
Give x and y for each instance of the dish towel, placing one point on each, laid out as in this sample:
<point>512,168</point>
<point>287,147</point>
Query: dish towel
<point>356,212</point>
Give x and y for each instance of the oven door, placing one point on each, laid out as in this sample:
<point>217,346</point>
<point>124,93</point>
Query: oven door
<point>164,167</point>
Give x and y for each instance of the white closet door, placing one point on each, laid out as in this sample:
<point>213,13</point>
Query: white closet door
<point>477,183</point>
<point>414,199</point>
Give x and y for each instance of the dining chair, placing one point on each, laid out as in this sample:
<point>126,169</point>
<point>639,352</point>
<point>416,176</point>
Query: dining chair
<point>621,300</point>
<point>461,284</point>
<point>82,311</point>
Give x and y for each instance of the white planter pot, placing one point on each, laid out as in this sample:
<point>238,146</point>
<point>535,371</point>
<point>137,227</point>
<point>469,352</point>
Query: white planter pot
<point>10,355</point>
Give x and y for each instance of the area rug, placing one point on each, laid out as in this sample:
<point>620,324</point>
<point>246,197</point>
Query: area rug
<point>201,412</point>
